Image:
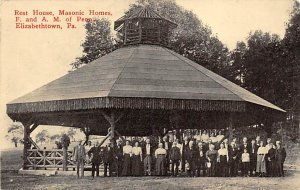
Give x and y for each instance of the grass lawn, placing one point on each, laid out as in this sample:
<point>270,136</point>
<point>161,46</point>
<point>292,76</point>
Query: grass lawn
<point>10,179</point>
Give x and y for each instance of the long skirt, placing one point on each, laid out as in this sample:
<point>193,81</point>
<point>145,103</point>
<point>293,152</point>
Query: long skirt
<point>211,171</point>
<point>223,166</point>
<point>126,171</point>
<point>261,164</point>
<point>136,165</point>
<point>160,165</point>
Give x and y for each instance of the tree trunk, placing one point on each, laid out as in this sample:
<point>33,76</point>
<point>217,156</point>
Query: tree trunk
<point>65,158</point>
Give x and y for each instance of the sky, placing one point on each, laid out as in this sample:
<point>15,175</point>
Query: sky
<point>32,58</point>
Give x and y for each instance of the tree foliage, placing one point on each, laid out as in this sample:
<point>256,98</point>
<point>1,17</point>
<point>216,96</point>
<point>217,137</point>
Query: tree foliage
<point>291,46</point>
<point>269,66</point>
<point>42,136</point>
<point>15,133</point>
<point>98,42</point>
<point>71,133</point>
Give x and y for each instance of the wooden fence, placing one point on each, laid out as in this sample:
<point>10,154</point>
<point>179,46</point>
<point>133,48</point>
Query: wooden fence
<point>49,158</point>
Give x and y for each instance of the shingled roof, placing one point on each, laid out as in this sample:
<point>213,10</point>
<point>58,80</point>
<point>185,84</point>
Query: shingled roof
<point>139,77</point>
<point>142,13</point>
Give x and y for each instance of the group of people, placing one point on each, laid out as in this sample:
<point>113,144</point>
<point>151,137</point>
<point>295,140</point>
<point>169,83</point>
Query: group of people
<point>197,156</point>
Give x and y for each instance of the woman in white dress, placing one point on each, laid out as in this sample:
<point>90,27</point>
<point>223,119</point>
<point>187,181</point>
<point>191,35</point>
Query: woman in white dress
<point>127,152</point>
<point>136,159</point>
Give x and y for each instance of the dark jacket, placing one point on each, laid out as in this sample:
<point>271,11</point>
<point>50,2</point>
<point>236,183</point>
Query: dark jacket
<point>280,155</point>
<point>271,154</point>
<point>184,147</point>
<point>94,152</point>
<point>233,153</point>
<point>203,157</point>
<point>144,151</point>
<point>245,146</point>
<point>253,155</point>
<point>175,153</point>
<point>119,152</point>
<point>109,154</point>
<point>191,154</point>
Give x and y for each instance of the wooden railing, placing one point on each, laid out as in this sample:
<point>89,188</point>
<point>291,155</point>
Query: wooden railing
<point>49,158</point>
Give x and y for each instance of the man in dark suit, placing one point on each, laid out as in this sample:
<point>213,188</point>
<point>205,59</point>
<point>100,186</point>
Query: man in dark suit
<point>94,154</point>
<point>109,159</point>
<point>280,156</point>
<point>233,159</point>
<point>191,157</point>
<point>119,157</point>
<point>174,157</point>
<point>253,157</point>
<point>271,159</point>
<point>185,145</point>
<point>147,150</point>
<point>200,165</point>
<point>268,146</point>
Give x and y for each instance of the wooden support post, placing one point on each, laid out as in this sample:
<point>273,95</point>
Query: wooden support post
<point>112,126</point>
<point>33,127</point>
<point>112,120</point>
<point>65,158</point>
<point>230,129</point>
<point>26,141</point>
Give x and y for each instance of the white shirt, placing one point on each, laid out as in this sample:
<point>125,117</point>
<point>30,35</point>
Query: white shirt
<point>127,149</point>
<point>213,139</point>
<point>262,150</point>
<point>220,137</point>
<point>204,137</point>
<point>245,157</point>
<point>137,151</point>
<point>223,152</point>
<point>160,151</point>
<point>148,146</point>
<point>197,137</point>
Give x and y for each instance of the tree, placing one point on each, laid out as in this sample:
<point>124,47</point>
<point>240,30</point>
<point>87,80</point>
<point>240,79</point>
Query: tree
<point>15,133</point>
<point>269,67</point>
<point>42,136</point>
<point>55,137</point>
<point>98,42</point>
<point>71,133</point>
<point>291,47</point>
<point>65,142</point>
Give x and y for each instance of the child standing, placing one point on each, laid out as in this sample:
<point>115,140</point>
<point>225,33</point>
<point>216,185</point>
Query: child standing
<point>245,162</point>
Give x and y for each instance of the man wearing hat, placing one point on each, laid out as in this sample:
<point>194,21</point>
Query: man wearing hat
<point>94,155</point>
<point>79,157</point>
<point>280,156</point>
<point>109,159</point>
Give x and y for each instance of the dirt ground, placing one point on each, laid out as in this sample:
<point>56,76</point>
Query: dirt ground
<point>10,179</point>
